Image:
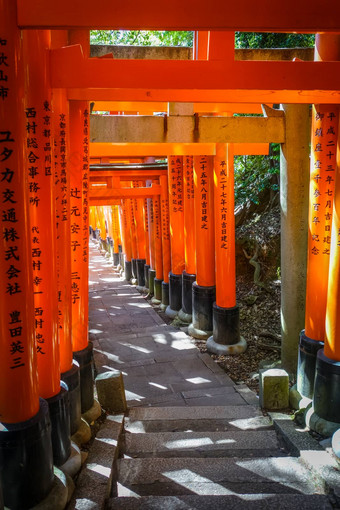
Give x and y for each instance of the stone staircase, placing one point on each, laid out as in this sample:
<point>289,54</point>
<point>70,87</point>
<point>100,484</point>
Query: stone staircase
<point>209,458</point>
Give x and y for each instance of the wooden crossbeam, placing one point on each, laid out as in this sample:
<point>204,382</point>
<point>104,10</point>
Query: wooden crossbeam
<point>69,69</point>
<point>151,149</point>
<point>105,196</point>
<point>148,108</point>
<point>186,129</point>
<point>208,95</point>
<point>246,15</point>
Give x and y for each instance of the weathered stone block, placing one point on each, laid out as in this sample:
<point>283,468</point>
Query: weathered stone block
<point>110,390</point>
<point>274,389</point>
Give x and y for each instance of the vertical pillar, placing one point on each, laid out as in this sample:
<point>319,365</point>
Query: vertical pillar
<point>140,233</point>
<point>79,160</point>
<point>69,368</point>
<point>294,171</point>
<point>126,237</point>
<point>226,318</point>
<point>23,465</point>
<point>175,181</point>
<point>40,158</point>
<point>134,241</point>
<point>203,290</point>
<point>115,234</point>
<point>152,269</point>
<point>326,400</point>
<point>147,241</point>
<point>322,179</point>
<point>158,250</point>
<point>165,240</point>
<point>189,274</point>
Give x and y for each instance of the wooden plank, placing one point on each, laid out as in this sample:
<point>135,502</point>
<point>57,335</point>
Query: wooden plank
<point>246,15</point>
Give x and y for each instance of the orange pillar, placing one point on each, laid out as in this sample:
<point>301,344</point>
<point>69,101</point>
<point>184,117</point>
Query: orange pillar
<point>158,250</point>
<point>332,338</point>
<point>189,274</point>
<point>115,234</point>
<point>203,290</point>
<point>126,237</point>
<point>18,358</point>
<point>140,234</point>
<point>176,210</point>
<point>166,251</point>
<point>62,185</point>
<point>101,222</point>
<point>21,413</point>
<point>69,368</point>
<point>39,126</point>
<point>79,161</point>
<point>151,224</point>
<point>133,240</point>
<point>326,400</point>
<point>226,323</point>
<point>147,241</point>
<point>40,166</point>
<point>325,119</point>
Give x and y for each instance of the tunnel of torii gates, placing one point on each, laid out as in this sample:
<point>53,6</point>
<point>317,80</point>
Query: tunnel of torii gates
<point>172,222</point>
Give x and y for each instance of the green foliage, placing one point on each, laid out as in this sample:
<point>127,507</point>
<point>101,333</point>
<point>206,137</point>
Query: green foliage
<point>273,40</point>
<point>142,37</point>
<point>254,174</point>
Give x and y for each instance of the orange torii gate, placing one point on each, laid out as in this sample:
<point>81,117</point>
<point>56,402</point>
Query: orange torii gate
<point>207,78</point>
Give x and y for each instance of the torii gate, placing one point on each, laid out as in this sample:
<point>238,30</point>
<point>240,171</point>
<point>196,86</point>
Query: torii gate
<point>77,79</point>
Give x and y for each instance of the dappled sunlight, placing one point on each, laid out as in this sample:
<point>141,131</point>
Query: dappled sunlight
<point>139,305</point>
<point>129,395</point>
<point>136,347</point>
<point>182,345</point>
<point>194,442</point>
<point>101,470</point>
<point>283,470</point>
<point>184,477</point>
<point>107,440</point>
<point>159,338</point>
<point>198,380</point>
<point>248,423</point>
<point>111,357</point>
<point>96,331</point>
<point>158,386</point>
<point>107,279</point>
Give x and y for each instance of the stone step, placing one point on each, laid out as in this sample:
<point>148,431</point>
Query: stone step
<point>214,419</point>
<point>259,502</point>
<point>214,476</point>
<point>202,444</point>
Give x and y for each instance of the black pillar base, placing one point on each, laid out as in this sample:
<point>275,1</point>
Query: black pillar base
<point>140,272</point>
<point>128,270</point>
<point>326,400</point>
<point>72,379</point>
<point>158,289</point>
<point>121,259</point>
<point>116,260</point>
<point>85,360</point>
<point>146,276</point>
<point>175,295</point>
<point>202,311</point>
<point>308,349</point>
<point>152,276</point>
<point>187,281</point>
<point>226,337</point>
<point>26,460</point>
<point>165,295</point>
<point>134,268</point>
<point>60,425</point>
